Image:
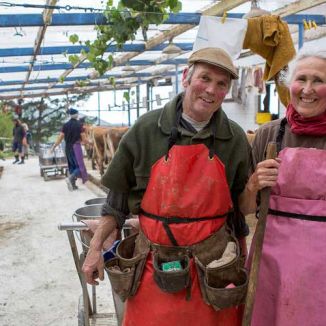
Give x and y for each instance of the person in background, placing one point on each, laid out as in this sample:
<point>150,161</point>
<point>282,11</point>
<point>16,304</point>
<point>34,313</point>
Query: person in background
<point>17,146</point>
<point>291,285</point>
<point>73,134</point>
<point>26,140</point>
<point>182,169</point>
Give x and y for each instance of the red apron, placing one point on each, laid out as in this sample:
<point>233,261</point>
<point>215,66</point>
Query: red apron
<point>191,186</point>
<point>291,286</point>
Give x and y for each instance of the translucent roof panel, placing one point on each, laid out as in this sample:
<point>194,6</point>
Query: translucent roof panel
<point>30,53</point>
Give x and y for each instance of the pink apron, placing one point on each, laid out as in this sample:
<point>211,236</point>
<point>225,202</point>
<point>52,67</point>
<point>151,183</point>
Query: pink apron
<point>291,288</point>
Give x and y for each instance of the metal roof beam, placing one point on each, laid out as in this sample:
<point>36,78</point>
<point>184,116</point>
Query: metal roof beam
<point>104,77</point>
<point>37,88</point>
<point>53,50</point>
<point>46,17</point>
<point>64,92</point>
<point>86,19</point>
<point>64,66</point>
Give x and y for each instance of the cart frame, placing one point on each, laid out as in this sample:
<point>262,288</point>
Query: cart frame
<point>54,166</point>
<point>87,305</point>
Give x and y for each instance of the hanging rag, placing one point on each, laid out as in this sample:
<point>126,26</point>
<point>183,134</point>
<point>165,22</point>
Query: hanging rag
<point>270,37</point>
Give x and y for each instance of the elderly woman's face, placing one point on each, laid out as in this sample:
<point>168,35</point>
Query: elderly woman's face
<point>308,87</point>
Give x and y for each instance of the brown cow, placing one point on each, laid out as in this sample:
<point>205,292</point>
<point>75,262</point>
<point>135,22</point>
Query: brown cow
<point>105,141</point>
<point>112,140</point>
<point>95,135</point>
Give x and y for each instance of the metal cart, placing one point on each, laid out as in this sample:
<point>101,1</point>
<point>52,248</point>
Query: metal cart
<point>87,305</point>
<point>52,164</point>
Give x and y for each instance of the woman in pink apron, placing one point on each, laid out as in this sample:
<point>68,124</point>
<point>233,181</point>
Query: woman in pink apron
<point>291,284</point>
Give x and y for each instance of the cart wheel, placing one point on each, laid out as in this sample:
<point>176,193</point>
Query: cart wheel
<point>81,309</point>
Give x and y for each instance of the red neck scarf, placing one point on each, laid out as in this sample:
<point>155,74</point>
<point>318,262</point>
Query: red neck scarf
<point>314,126</point>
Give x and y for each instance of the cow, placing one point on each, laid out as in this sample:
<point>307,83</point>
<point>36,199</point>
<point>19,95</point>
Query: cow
<point>112,140</point>
<point>104,141</point>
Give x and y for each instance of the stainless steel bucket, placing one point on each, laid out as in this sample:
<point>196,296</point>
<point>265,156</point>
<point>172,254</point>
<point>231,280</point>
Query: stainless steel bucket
<point>88,212</point>
<point>95,201</point>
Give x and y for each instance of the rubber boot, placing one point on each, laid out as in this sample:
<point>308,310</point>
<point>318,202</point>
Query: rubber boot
<point>22,160</point>
<point>73,182</point>
<point>16,159</point>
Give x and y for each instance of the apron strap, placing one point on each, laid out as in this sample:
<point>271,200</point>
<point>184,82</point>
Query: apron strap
<point>280,135</point>
<point>178,220</point>
<point>315,218</point>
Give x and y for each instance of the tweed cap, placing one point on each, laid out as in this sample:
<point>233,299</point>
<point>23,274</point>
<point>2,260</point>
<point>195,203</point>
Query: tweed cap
<point>72,111</point>
<point>217,57</point>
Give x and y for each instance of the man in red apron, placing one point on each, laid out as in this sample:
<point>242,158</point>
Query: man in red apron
<point>182,169</point>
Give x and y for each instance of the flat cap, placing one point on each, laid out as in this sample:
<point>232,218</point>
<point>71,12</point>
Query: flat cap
<point>72,111</point>
<point>215,56</point>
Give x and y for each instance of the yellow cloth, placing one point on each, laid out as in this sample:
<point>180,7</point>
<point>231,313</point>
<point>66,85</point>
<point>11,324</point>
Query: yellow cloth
<point>270,37</point>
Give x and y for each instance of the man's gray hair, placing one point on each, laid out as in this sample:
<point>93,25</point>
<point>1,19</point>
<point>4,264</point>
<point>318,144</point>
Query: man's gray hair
<point>307,51</point>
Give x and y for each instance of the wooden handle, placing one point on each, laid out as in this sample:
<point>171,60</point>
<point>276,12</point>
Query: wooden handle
<point>259,239</point>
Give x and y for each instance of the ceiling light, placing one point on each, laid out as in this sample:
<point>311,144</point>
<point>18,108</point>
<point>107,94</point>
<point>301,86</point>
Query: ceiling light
<point>171,49</point>
<point>255,10</point>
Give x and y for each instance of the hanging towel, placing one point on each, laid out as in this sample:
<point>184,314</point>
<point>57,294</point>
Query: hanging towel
<point>270,37</point>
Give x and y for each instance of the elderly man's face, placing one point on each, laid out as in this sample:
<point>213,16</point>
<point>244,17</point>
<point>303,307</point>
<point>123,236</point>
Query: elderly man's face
<point>205,92</point>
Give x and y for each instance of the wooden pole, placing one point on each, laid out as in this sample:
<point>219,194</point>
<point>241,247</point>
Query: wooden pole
<point>259,239</point>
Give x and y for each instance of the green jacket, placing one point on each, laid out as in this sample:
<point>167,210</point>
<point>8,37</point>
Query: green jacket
<point>147,141</point>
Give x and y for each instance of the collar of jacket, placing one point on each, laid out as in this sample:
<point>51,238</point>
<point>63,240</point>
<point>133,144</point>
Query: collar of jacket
<point>168,115</point>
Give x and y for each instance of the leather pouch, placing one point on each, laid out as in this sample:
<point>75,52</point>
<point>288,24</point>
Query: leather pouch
<point>126,269</point>
<point>171,281</point>
<point>224,286</point>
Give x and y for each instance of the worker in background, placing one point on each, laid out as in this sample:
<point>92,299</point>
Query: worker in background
<point>27,140</point>
<point>182,169</point>
<point>73,134</point>
<point>17,146</point>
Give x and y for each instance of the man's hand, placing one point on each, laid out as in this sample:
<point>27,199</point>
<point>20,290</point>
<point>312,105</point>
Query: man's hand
<point>93,266</point>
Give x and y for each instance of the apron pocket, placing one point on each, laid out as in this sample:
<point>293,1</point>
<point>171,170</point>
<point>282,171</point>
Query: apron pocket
<point>126,269</point>
<point>171,275</point>
<point>233,292</point>
<point>223,287</point>
<point>121,278</point>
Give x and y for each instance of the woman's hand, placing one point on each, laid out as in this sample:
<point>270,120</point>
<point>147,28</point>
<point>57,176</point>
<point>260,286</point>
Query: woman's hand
<point>265,175</point>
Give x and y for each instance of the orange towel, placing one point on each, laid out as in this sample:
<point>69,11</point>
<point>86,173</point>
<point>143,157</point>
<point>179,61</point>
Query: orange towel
<point>270,37</point>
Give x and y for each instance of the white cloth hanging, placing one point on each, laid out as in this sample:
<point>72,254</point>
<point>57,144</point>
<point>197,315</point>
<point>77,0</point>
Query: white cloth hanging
<point>228,35</point>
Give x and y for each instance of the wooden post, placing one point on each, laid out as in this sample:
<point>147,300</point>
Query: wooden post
<point>259,240</point>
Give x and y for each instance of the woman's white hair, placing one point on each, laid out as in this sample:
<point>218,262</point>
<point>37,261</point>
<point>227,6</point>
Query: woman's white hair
<point>307,51</point>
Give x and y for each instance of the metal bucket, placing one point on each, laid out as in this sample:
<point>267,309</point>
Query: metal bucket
<point>95,201</point>
<point>89,212</point>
